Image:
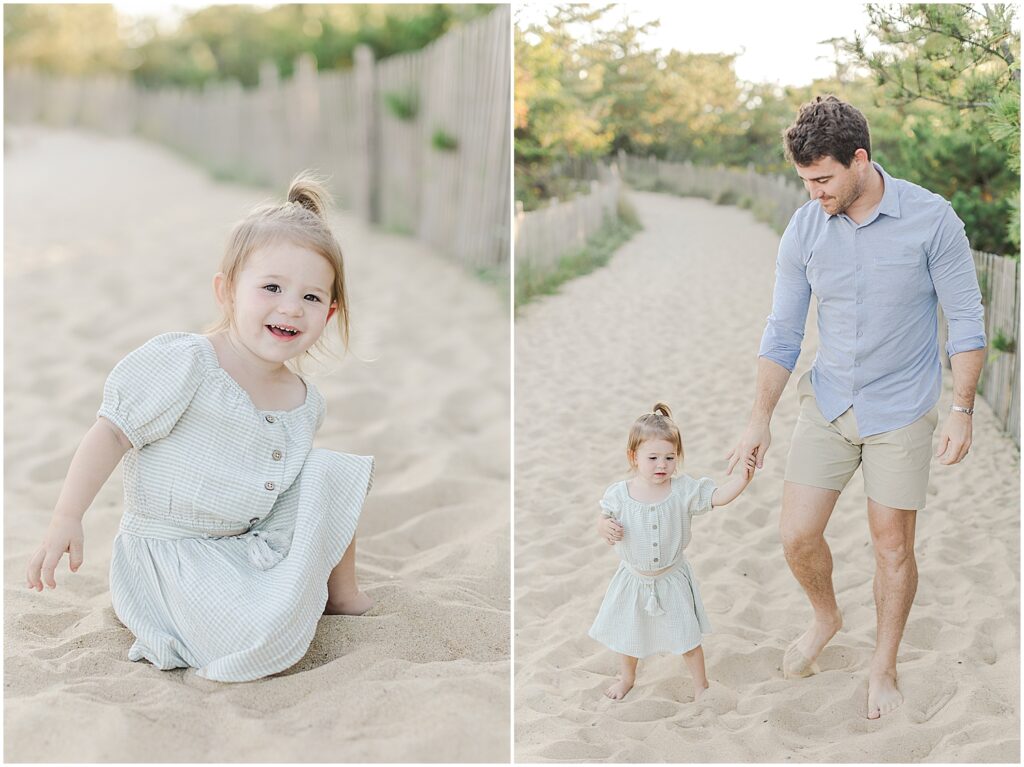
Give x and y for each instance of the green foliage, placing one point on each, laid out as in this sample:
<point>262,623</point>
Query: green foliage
<point>627,214</point>
<point>531,282</point>
<point>219,42</point>
<point>498,278</point>
<point>63,39</point>
<point>1003,344</point>
<point>725,197</point>
<point>957,55</point>
<point>403,105</point>
<point>963,61</point>
<point>939,84</point>
<point>443,141</point>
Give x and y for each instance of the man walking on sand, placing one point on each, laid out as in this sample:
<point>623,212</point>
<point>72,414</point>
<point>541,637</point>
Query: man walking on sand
<point>878,253</point>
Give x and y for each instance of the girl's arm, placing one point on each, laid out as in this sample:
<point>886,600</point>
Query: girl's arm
<point>733,487</point>
<point>94,461</point>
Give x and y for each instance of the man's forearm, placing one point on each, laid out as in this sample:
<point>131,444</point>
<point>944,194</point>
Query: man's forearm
<point>771,380</point>
<point>966,371</point>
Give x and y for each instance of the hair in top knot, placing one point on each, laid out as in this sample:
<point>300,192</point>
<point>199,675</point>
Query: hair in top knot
<point>657,424</point>
<point>301,220</point>
<point>307,190</point>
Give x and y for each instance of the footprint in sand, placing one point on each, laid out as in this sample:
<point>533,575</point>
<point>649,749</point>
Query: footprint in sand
<point>922,705</point>
<point>48,624</point>
<point>573,750</point>
<point>642,710</point>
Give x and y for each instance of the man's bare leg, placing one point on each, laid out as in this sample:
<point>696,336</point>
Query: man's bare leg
<point>627,676</point>
<point>805,514</point>
<point>892,534</point>
<point>343,594</point>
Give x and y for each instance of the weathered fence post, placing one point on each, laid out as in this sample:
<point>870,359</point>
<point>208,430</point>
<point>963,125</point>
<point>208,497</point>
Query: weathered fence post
<point>365,177</point>
<point>302,114</point>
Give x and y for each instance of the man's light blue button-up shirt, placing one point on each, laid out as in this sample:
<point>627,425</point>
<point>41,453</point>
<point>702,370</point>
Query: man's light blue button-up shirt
<point>877,284</point>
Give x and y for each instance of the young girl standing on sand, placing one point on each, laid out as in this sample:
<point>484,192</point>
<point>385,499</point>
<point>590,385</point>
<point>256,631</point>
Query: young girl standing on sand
<point>236,536</point>
<point>653,603</point>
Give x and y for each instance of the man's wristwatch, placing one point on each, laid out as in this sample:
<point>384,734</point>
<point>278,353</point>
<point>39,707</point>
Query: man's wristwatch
<point>967,410</point>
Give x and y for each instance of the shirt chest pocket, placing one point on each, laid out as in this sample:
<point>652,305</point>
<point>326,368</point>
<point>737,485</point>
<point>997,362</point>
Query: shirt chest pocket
<point>898,277</point>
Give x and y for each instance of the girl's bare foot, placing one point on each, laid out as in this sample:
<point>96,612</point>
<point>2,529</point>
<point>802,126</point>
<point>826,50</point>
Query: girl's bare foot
<point>698,691</point>
<point>356,604</point>
<point>618,690</point>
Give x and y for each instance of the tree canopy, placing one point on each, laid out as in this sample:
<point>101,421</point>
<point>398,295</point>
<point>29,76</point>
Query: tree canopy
<point>939,84</point>
<point>218,42</point>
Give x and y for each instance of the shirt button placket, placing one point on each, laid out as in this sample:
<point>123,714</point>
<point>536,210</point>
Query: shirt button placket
<point>276,455</point>
<point>858,322</point>
<point>654,547</point>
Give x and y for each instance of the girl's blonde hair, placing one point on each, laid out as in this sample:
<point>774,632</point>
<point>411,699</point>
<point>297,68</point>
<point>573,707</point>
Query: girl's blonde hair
<point>655,425</point>
<point>301,220</point>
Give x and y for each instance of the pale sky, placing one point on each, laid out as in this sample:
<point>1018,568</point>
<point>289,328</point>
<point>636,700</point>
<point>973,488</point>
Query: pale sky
<point>777,42</point>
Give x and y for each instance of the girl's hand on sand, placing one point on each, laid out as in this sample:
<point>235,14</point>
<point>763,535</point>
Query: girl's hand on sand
<point>64,535</point>
<point>610,530</point>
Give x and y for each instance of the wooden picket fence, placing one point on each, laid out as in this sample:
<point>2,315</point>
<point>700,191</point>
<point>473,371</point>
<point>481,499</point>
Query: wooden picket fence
<point>775,198</point>
<point>544,235</point>
<point>999,385</point>
<point>418,143</point>
<point>772,198</point>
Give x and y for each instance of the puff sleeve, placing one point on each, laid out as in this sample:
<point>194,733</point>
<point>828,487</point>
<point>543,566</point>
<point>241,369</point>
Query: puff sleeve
<point>611,503</point>
<point>147,392</point>
<point>698,496</point>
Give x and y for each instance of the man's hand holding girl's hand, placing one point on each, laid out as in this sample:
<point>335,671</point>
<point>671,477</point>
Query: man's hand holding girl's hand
<point>749,467</point>
<point>64,535</point>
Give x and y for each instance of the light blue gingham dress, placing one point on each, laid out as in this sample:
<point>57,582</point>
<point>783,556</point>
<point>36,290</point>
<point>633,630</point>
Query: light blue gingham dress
<point>641,614</point>
<point>232,522</point>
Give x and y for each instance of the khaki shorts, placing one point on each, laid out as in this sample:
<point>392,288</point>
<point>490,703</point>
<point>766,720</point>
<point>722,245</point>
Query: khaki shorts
<point>826,454</point>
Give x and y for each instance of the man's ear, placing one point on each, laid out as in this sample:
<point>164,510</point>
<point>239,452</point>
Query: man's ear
<point>862,156</point>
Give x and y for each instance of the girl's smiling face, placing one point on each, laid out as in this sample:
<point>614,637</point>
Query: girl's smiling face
<point>655,460</point>
<point>281,300</point>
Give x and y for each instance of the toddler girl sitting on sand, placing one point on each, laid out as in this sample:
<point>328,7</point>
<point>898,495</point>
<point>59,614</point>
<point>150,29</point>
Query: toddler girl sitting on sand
<point>236,536</point>
<point>653,603</point>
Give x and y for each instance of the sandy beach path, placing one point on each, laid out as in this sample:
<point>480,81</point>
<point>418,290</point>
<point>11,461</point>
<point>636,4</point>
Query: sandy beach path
<point>109,242</point>
<point>677,316</point>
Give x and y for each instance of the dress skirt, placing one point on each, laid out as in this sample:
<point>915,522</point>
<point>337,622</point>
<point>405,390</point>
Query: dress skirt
<point>644,615</point>
<point>241,607</point>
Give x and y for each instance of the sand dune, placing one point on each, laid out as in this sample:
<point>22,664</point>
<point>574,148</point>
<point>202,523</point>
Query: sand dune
<point>110,242</point>
<point>677,316</point>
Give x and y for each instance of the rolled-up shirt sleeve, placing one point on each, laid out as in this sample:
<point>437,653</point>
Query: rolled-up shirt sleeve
<point>792,296</point>
<point>956,284</point>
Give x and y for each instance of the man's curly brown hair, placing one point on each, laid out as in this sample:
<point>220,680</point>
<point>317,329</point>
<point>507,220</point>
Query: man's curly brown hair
<point>826,127</point>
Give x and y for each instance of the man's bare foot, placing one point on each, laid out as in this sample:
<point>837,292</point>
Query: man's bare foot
<point>356,604</point>
<point>800,657</point>
<point>698,692</point>
<point>618,690</point>
<point>883,695</point>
